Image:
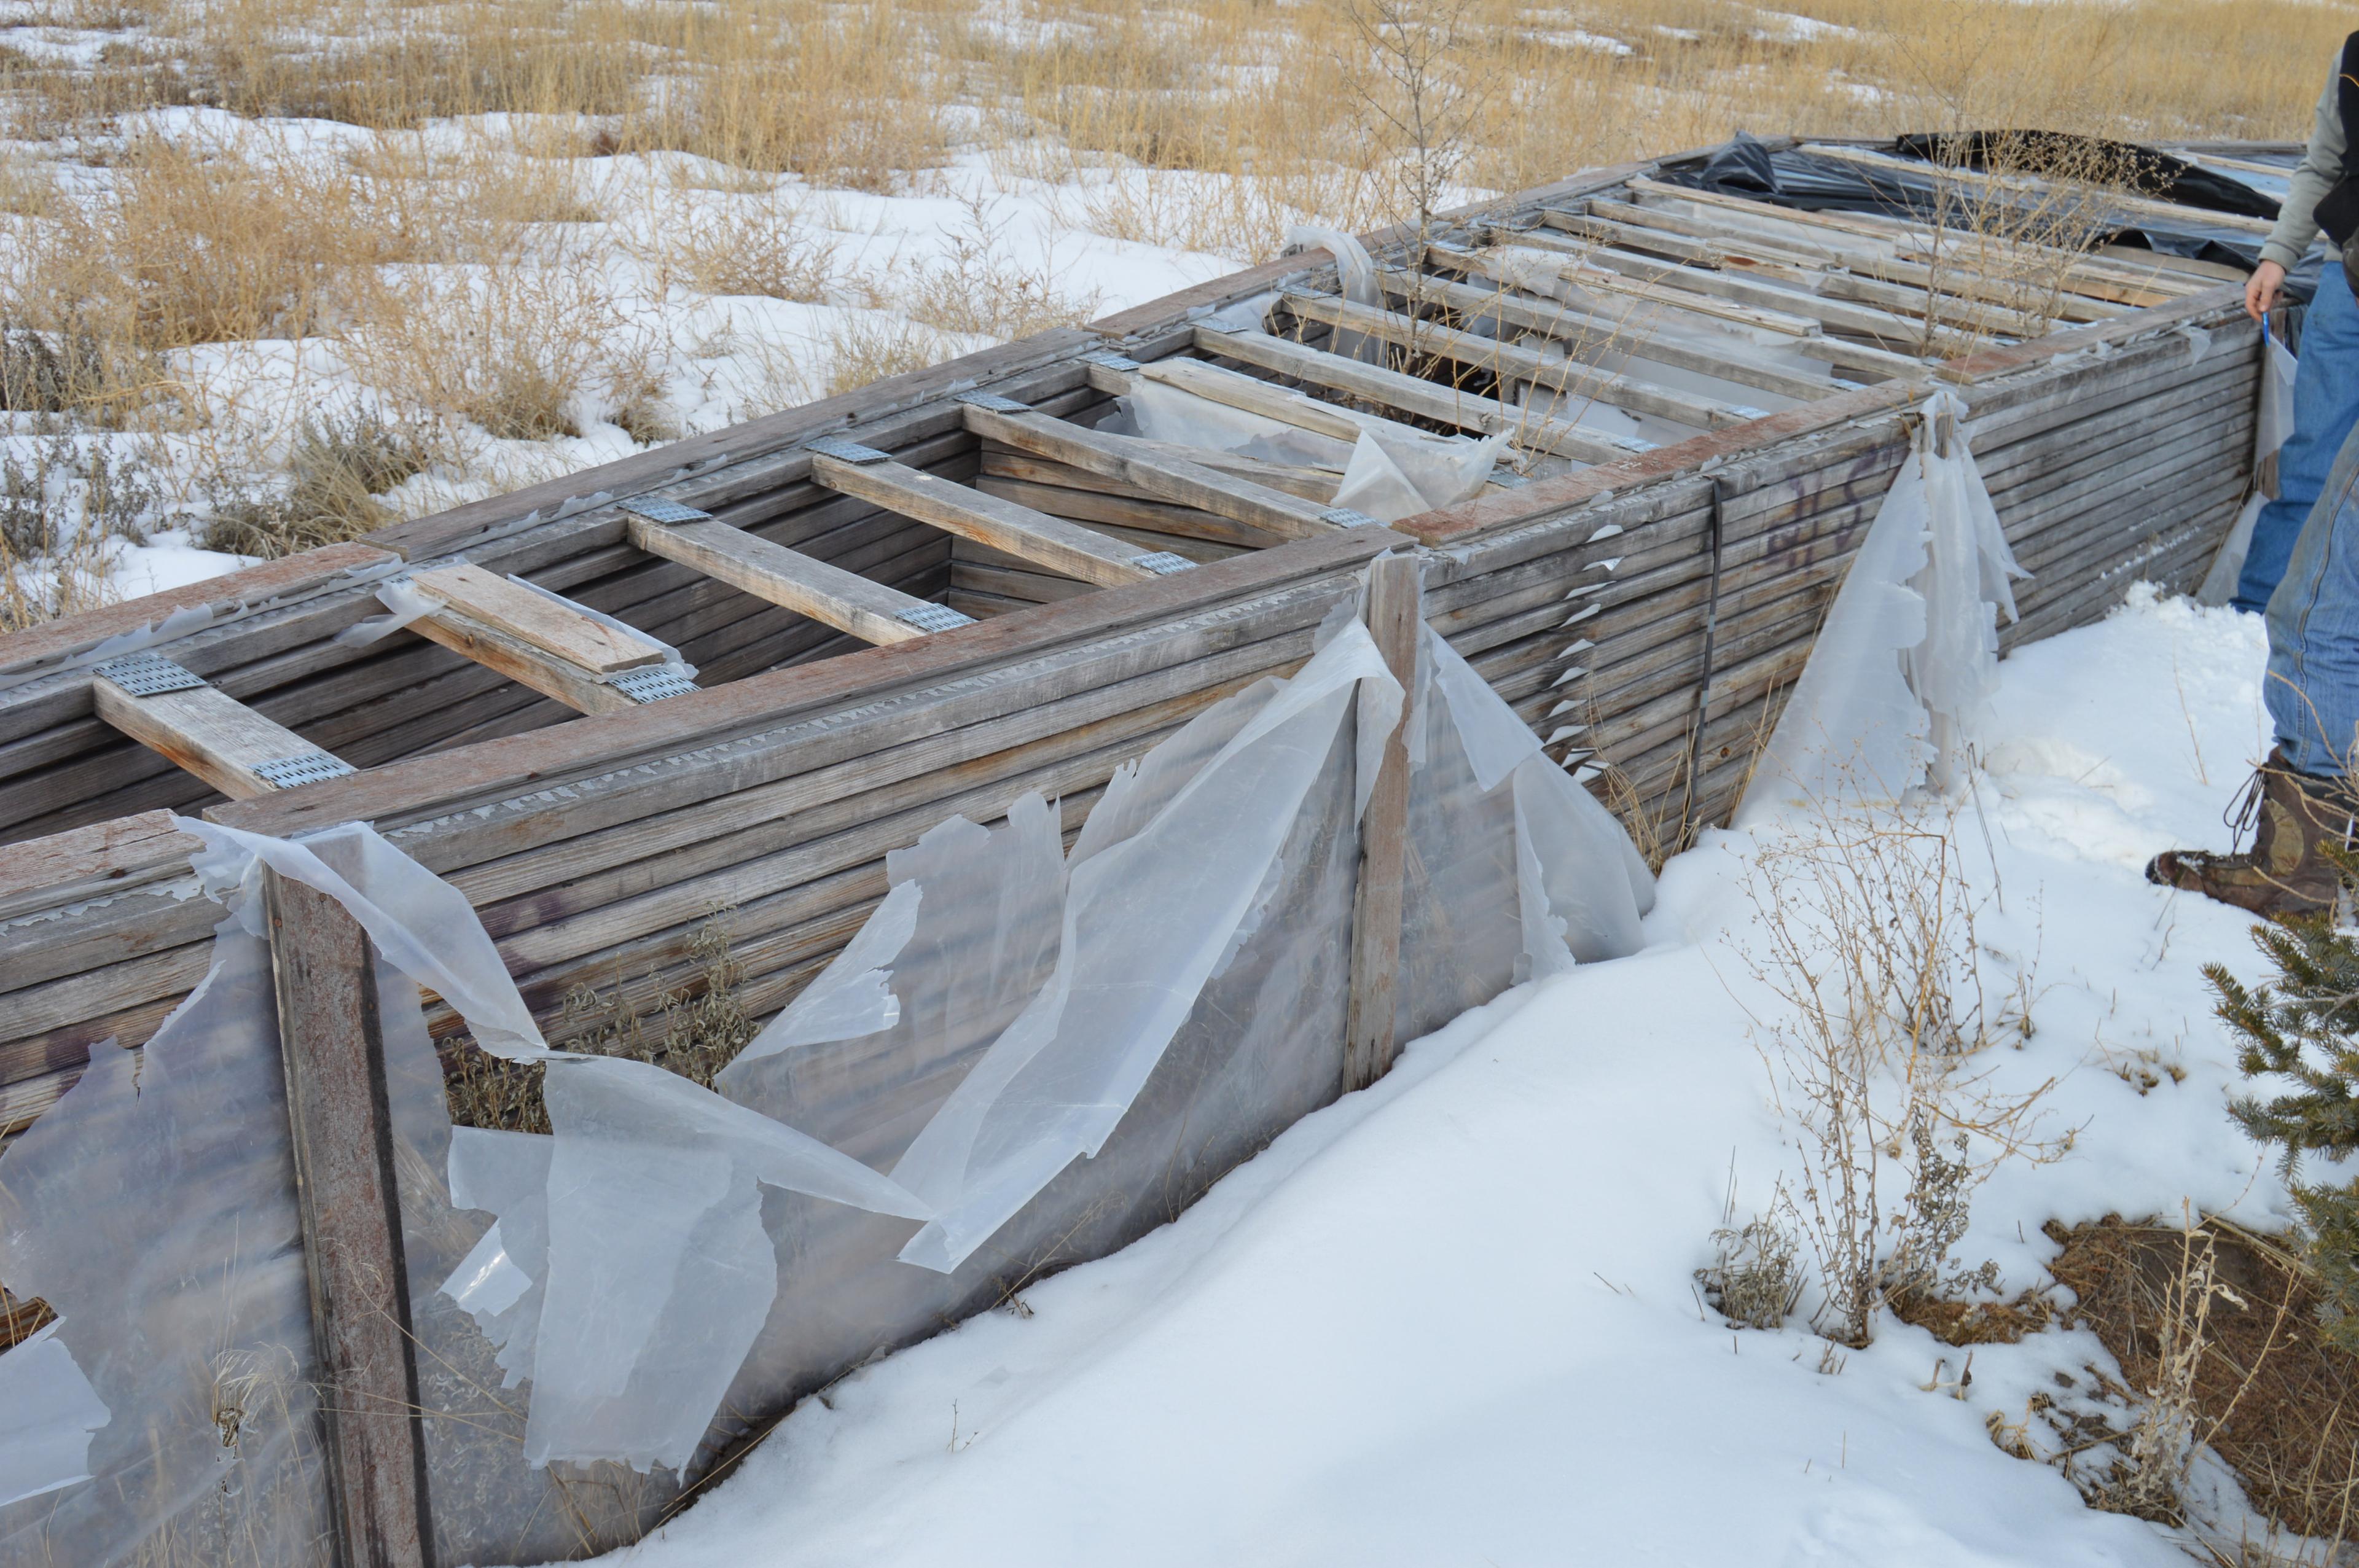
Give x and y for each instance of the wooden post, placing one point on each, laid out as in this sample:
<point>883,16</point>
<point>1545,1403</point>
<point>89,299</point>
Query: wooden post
<point>1393,616</point>
<point>333,1043</point>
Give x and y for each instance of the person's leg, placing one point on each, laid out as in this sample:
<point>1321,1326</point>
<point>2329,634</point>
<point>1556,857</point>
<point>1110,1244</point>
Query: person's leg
<point>2325,407</point>
<point>2313,688</point>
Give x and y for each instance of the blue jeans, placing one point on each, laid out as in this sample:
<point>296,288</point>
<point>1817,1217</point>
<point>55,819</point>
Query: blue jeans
<point>2313,690</point>
<point>2325,407</point>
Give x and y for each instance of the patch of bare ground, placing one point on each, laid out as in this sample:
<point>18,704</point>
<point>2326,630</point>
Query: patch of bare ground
<point>2237,1359</point>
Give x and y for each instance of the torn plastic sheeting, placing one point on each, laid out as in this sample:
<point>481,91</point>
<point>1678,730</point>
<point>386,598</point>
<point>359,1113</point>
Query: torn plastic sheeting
<point>1056,1082</point>
<point>48,1413</point>
<point>986,902</point>
<point>1903,668</point>
<point>1357,273</point>
<point>404,604</point>
<point>2271,427</point>
<point>1396,475</point>
<point>154,1207</point>
<point>852,997</point>
<point>420,923</point>
<point>1161,411</point>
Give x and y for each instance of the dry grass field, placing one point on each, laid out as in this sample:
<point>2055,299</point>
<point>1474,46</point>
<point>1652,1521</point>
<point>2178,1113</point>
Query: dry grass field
<point>277,271</point>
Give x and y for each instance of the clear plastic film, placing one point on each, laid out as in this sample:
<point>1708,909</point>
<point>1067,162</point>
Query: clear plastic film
<point>48,1413</point>
<point>2272,425</point>
<point>1049,1052</point>
<point>153,1207</point>
<point>1356,273</point>
<point>1900,677</point>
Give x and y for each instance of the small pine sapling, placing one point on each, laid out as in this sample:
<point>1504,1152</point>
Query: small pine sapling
<point>2304,1029</point>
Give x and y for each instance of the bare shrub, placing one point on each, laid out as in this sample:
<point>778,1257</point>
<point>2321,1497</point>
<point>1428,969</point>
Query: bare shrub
<point>336,469</point>
<point>979,288</point>
<point>512,346</point>
<point>703,1028</point>
<point>1756,1275</point>
<point>868,347</point>
<point>764,248</point>
<point>1867,939</point>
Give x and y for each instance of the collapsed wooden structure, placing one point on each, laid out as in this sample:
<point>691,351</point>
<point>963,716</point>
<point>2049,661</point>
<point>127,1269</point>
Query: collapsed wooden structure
<point>930,596</point>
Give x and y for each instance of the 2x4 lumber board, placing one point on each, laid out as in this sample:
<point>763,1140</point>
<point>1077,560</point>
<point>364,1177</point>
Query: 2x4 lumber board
<point>590,746</point>
<point>231,595</point>
<point>1187,483</point>
<point>64,1003</point>
<point>1910,237</point>
<point>809,587</point>
<point>1369,1042</point>
<point>332,1040</point>
<point>1052,542</point>
<point>2083,293</point>
<point>1644,226</point>
<point>728,458</point>
<point>1592,339</point>
<point>1618,246</point>
<point>1589,335</point>
<point>1411,394</point>
<point>1053,487</point>
<point>622,848</point>
<point>520,660</point>
<point>209,733</point>
<point>1573,378</point>
<point>764,894</point>
<point>1033,587</point>
<point>555,627</point>
<point>2210,308</point>
<point>1600,262</point>
<point>97,861</point>
<point>555,924</point>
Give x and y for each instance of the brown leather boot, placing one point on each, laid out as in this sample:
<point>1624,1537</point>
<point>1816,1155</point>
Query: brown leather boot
<point>2288,871</point>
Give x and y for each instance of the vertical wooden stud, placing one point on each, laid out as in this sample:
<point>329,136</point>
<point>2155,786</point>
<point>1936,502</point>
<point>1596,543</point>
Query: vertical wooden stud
<point>1394,590</point>
<point>333,1040</point>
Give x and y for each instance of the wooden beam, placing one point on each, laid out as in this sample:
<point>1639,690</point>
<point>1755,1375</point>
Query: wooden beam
<point>554,626</point>
<point>1512,361</point>
<point>1591,338</point>
<point>1415,395</point>
<point>1166,478</point>
<point>331,1039</point>
<point>845,601</point>
<point>2081,298</point>
<point>520,660</point>
<point>209,732</point>
<point>1035,536</point>
<point>1370,1041</point>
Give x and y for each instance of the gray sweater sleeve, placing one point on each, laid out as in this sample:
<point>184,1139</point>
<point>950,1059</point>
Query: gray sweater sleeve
<point>2322,168</point>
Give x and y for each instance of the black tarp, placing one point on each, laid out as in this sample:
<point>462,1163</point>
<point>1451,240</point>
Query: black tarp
<point>1812,183</point>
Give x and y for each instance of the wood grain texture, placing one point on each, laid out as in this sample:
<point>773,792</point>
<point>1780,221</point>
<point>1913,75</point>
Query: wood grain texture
<point>788,579</point>
<point>1370,1038</point>
<point>205,730</point>
<point>1049,542</point>
<point>331,1038</point>
<point>556,629</point>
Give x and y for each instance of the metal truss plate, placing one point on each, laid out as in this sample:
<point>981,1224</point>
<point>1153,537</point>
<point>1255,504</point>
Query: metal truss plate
<point>935,618</point>
<point>1344,517</point>
<point>847,451</point>
<point>993,402</point>
<point>655,509</point>
<point>312,767</point>
<point>651,683</point>
<point>1111,360</point>
<point>1163,562</point>
<point>1508,479</point>
<point>146,675</point>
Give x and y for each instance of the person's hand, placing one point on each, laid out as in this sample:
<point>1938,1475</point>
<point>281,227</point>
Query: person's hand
<point>2261,289</point>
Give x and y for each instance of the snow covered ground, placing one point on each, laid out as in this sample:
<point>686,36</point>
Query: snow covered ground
<point>1454,1319</point>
